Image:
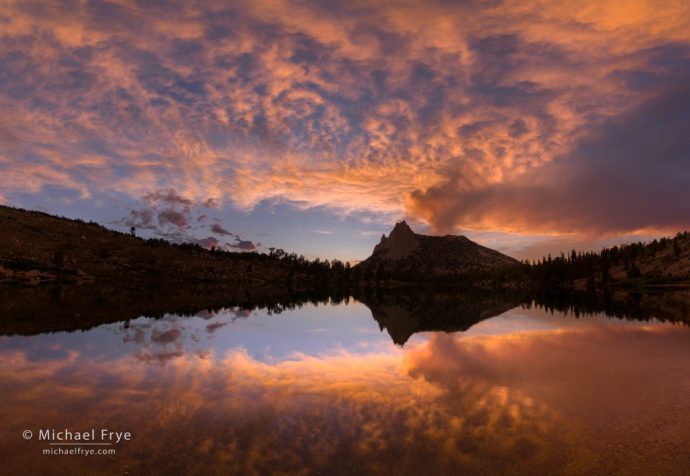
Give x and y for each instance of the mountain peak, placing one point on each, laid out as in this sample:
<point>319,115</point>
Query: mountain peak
<point>400,243</point>
<point>408,251</point>
<point>401,228</point>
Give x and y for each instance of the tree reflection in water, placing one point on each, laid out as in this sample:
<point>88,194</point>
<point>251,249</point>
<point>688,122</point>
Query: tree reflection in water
<point>578,396</point>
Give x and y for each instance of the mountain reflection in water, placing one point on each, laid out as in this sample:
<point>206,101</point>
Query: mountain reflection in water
<point>321,390</point>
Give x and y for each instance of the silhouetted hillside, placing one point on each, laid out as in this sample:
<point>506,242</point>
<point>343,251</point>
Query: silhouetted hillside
<point>407,256</point>
<point>663,262</point>
<point>36,247</point>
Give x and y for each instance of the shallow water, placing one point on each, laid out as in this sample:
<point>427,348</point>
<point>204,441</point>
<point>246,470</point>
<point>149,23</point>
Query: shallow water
<point>324,389</point>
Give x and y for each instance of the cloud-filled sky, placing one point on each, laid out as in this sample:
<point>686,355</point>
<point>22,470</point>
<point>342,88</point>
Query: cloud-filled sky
<point>314,126</point>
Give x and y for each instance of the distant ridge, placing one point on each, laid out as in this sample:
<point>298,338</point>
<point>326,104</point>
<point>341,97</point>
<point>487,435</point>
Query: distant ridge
<point>36,247</point>
<point>405,253</point>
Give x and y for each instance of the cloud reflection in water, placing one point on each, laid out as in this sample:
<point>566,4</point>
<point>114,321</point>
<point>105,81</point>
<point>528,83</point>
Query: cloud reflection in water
<point>561,399</point>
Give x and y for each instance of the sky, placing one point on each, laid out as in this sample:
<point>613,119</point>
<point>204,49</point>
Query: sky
<point>531,126</point>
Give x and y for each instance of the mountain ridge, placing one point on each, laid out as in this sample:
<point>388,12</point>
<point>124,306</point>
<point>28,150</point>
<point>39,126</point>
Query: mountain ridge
<point>405,253</point>
<point>36,247</point>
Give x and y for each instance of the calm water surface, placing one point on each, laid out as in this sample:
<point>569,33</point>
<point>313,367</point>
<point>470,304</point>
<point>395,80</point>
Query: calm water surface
<point>324,389</point>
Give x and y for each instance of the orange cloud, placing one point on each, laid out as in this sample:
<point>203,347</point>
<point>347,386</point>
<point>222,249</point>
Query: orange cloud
<point>391,108</point>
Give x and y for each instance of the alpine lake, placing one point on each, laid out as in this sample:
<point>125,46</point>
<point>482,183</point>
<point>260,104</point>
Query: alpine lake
<point>382,383</point>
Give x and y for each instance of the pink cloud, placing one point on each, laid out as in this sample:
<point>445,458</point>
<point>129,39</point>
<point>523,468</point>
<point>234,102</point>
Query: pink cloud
<point>219,230</point>
<point>173,217</point>
<point>455,113</point>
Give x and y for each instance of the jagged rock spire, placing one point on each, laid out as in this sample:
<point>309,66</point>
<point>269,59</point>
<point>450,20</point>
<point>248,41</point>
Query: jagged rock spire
<point>407,251</point>
<point>401,241</point>
<point>402,227</point>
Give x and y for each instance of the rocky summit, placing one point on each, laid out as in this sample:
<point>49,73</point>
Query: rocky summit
<point>405,254</point>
